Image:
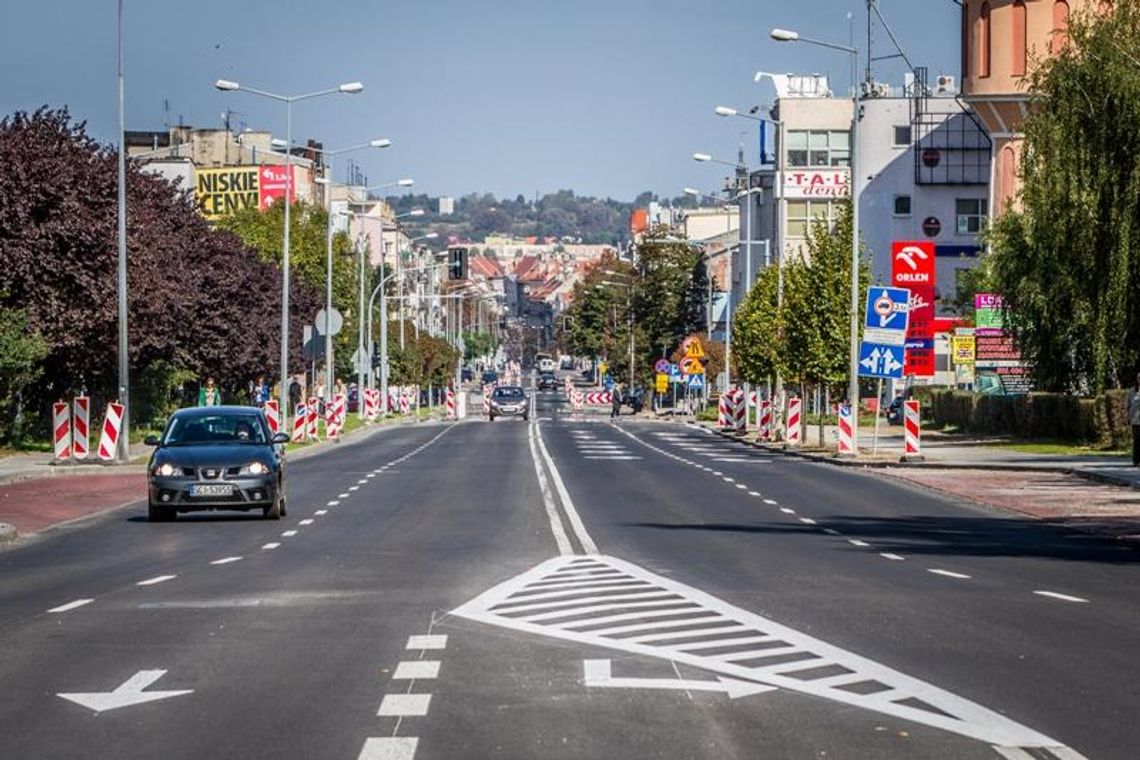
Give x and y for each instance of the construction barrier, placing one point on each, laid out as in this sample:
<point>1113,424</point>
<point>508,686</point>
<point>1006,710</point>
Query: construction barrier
<point>912,422</point>
<point>846,446</point>
<point>577,398</point>
<point>449,402</point>
<point>764,421</point>
<point>81,428</point>
<point>738,406</point>
<point>312,412</point>
<point>61,429</point>
<point>405,402</point>
<point>333,417</point>
<point>273,415</point>
<point>793,437</point>
<point>112,424</point>
<point>723,415</point>
<point>487,387</point>
<point>300,422</point>
<point>599,399</point>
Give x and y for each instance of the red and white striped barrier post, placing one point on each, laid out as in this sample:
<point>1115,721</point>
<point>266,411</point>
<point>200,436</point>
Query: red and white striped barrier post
<point>405,401</point>
<point>312,412</point>
<point>846,445</point>
<point>340,405</point>
<point>449,401</point>
<point>273,415</point>
<point>722,411</point>
<point>577,399</point>
<point>739,404</point>
<point>764,421</point>
<point>487,400</point>
<point>81,428</point>
<point>300,424</point>
<point>793,437</point>
<point>912,422</point>
<point>112,424</point>
<point>332,419</point>
<point>61,429</point>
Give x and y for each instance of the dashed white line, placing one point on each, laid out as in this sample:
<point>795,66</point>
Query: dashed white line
<point>416,670</point>
<point>754,493</point>
<point>1062,597</point>
<point>271,545</point>
<point>389,748</point>
<point>71,605</point>
<point>429,641</point>
<point>832,532</point>
<point>156,579</point>
<point>807,521</point>
<point>770,501</point>
<point>948,573</point>
<point>333,503</point>
<point>342,496</point>
<point>306,521</point>
<point>362,482</point>
<point>321,512</point>
<point>741,486</point>
<point>857,542</point>
<point>889,555</point>
<point>225,560</point>
<point>289,533</point>
<point>787,511</point>
<point>354,488</point>
<point>729,480</point>
<point>402,705</point>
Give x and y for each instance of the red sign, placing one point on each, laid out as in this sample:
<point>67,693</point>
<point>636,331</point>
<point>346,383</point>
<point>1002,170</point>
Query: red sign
<point>921,324</point>
<point>912,263</point>
<point>272,181</point>
<point>919,358</point>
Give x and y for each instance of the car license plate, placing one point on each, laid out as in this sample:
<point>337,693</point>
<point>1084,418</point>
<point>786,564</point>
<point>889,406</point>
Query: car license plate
<point>211,489</point>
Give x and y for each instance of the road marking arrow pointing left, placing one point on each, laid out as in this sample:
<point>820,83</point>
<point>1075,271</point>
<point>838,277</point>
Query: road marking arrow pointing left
<point>129,693</point>
<point>597,673</point>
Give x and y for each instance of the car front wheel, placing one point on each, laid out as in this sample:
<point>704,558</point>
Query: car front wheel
<point>275,510</point>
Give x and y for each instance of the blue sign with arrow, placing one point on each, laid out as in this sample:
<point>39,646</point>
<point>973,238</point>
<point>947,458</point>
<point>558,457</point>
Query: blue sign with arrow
<point>887,315</point>
<point>879,360</point>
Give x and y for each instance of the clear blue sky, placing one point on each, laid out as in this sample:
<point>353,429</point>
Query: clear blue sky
<point>504,96</point>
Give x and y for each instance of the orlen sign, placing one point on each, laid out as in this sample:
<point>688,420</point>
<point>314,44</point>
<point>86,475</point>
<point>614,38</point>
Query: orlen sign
<point>223,191</point>
<point>912,263</point>
<point>823,184</point>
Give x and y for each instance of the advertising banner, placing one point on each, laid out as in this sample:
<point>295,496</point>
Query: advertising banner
<point>987,314</point>
<point>823,184</point>
<point>272,183</point>
<point>962,349</point>
<point>223,191</point>
<point>919,358</point>
<point>912,263</point>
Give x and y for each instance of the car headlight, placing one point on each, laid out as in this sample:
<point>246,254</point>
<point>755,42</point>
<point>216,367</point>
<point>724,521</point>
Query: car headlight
<point>255,468</point>
<point>165,470</point>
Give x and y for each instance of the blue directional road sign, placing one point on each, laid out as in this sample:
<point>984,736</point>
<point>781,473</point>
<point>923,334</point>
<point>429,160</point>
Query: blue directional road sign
<point>879,360</point>
<point>696,381</point>
<point>675,375</point>
<point>888,311</point>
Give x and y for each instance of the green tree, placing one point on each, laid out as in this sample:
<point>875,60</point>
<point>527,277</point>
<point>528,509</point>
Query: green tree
<point>22,350</point>
<point>1066,256</point>
<point>756,335</point>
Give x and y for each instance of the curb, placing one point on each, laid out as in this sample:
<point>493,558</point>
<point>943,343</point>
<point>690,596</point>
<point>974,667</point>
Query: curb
<point>1098,477</point>
<point>40,471</point>
<point>7,533</point>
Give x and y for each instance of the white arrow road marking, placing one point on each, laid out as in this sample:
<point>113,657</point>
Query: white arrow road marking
<point>129,693</point>
<point>597,673</point>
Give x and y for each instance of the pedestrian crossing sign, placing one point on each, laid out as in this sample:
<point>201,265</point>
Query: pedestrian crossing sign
<point>696,381</point>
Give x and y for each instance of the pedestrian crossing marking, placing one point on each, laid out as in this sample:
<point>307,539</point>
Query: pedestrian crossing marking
<point>603,601</point>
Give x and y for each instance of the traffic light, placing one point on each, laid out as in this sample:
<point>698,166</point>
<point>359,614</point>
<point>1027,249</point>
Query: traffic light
<point>457,263</point>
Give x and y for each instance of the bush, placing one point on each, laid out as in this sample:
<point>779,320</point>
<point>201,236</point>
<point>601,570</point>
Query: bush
<point>1099,421</point>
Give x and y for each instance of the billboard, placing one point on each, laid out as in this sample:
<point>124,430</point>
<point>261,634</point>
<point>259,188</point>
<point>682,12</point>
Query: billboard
<point>824,183</point>
<point>222,191</point>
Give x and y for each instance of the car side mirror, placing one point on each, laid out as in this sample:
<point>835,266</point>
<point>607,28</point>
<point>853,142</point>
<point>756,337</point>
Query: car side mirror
<point>151,440</point>
<point>280,438</point>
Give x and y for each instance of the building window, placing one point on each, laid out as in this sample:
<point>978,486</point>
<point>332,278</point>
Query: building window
<point>902,205</point>
<point>1020,47</point>
<point>902,136</point>
<point>802,214</point>
<point>971,213</point>
<point>1060,26</point>
<point>983,39</point>
<point>818,148</point>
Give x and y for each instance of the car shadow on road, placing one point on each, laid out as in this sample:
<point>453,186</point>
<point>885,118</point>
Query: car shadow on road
<point>952,536</point>
<point>204,518</point>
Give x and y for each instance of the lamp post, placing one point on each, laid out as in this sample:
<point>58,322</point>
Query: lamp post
<point>347,88</point>
<point>123,449</point>
<point>396,245</point>
<point>785,35</point>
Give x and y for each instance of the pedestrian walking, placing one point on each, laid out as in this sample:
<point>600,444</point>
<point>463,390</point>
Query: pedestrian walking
<point>294,393</point>
<point>615,401</point>
<point>260,392</point>
<point>209,394</point>
<point>1134,419</point>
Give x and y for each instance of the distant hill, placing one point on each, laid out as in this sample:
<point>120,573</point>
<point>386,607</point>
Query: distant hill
<point>561,215</point>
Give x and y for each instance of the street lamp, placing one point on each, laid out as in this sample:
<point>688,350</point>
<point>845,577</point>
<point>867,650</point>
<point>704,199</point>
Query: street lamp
<point>786,35</point>
<point>348,88</point>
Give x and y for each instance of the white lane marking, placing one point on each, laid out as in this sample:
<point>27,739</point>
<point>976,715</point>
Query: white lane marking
<point>948,573</point>
<point>597,673</point>
<point>893,693</point>
<point>321,512</point>
<point>738,460</point>
<point>560,537</point>
<point>614,458</point>
<point>71,605</point>
<point>333,503</point>
<point>832,532</point>
<point>362,482</point>
<point>890,556</point>
<point>729,480</point>
<point>156,579</point>
<point>807,521</point>
<point>370,475</point>
<point>770,501</point>
<point>354,488</point>
<point>271,545</point>
<point>588,544</point>
<point>389,748</point>
<point>857,542</point>
<point>404,705</point>
<point>226,560</point>
<point>754,493</point>
<point>306,521</point>
<point>1062,597</point>
<point>718,473</point>
<point>1013,753</point>
<point>429,641</point>
<point>415,670</point>
<point>289,533</point>
<point>342,496</point>
<point>741,486</point>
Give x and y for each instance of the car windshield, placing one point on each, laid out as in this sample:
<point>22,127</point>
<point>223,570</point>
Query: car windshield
<point>214,429</point>
<point>508,393</point>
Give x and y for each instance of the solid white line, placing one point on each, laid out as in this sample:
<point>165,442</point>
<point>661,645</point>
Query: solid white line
<point>389,748</point>
<point>427,642</point>
<point>617,458</point>
<point>1062,597</point>
<point>271,545</point>
<point>415,670</point>
<point>404,705</point>
<point>225,560</point>
<point>560,537</point>
<point>588,544</point>
<point>156,579</point>
<point>289,533</point>
<point>71,605</point>
<point>857,542</point>
<point>306,521</point>
<point>895,557</point>
<point>947,573</point>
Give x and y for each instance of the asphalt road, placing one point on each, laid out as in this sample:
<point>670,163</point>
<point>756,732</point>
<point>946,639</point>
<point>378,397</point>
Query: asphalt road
<point>570,588</point>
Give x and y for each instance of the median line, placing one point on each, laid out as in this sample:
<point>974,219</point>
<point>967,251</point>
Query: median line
<point>156,579</point>
<point>71,605</point>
